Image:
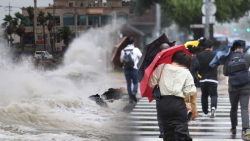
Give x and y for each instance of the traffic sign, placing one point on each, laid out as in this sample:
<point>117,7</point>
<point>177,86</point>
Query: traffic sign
<point>211,19</point>
<point>197,26</point>
<point>212,9</point>
<point>209,1</point>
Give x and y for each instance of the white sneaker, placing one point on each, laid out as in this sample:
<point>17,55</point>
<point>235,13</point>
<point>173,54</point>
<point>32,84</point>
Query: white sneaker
<point>213,110</point>
<point>205,115</point>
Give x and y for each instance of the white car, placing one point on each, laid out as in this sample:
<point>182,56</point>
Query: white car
<point>42,54</point>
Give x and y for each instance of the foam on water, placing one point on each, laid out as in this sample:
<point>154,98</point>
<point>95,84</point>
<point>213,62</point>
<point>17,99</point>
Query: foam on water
<point>37,102</point>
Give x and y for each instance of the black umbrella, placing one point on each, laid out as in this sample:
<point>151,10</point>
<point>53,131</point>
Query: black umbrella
<point>150,52</point>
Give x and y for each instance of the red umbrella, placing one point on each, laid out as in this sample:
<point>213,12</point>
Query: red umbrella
<point>162,57</point>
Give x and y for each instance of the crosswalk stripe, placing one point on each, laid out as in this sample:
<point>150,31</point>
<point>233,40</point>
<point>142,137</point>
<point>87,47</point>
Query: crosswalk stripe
<point>157,139</point>
<point>144,123</point>
<point>190,127</point>
<point>155,118</point>
<point>199,110</point>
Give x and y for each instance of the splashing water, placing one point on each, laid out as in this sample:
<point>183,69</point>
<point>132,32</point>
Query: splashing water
<point>54,105</point>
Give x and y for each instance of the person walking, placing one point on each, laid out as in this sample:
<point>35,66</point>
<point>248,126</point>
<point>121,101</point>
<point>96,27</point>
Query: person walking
<point>176,82</point>
<point>239,92</point>
<point>130,56</point>
<point>208,80</point>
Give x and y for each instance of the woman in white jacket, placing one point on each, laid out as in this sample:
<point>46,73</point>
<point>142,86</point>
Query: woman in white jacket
<point>176,82</point>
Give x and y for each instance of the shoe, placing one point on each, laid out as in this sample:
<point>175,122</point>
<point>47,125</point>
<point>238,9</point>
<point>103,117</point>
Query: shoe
<point>131,102</point>
<point>245,137</point>
<point>189,115</point>
<point>134,97</point>
<point>233,131</point>
<point>205,115</point>
<point>213,110</point>
<point>161,135</point>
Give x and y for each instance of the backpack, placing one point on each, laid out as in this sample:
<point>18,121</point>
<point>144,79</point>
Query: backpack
<point>238,71</point>
<point>128,61</point>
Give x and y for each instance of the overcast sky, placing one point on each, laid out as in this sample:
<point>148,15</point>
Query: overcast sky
<point>19,3</point>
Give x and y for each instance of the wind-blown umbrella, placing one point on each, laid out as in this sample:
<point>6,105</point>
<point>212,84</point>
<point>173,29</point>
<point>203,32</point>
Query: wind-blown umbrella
<point>163,57</point>
<point>116,53</point>
<point>150,52</point>
<point>221,56</point>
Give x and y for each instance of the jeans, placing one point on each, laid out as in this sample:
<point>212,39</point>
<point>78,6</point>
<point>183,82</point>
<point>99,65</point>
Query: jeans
<point>131,75</point>
<point>243,97</point>
<point>208,89</point>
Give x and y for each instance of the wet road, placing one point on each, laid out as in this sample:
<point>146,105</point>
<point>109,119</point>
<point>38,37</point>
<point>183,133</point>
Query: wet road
<point>145,125</point>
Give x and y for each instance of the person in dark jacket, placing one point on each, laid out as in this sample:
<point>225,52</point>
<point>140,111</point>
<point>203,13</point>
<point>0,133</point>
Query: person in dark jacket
<point>238,93</point>
<point>208,81</point>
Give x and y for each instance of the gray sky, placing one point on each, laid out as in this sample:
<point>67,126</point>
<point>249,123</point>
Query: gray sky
<point>19,3</point>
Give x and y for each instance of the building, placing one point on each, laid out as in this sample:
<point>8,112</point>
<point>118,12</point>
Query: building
<point>79,15</point>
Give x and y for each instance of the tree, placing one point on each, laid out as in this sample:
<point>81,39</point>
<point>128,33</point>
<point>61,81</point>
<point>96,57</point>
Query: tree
<point>186,12</point>
<point>50,18</point>
<point>8,25</point>
<point>30,11</point>
<point>65,34</point>
<point>42,21</point>
<point>20,31</point>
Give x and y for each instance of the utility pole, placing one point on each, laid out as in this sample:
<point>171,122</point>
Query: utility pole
<point>9,8</point>
<point>34,24</point>
<point>54,33</point>
<point>158,20</point>
<point>207,19</point>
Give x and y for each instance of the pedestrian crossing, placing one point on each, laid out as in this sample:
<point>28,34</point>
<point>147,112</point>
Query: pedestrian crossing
<point>144,125</point>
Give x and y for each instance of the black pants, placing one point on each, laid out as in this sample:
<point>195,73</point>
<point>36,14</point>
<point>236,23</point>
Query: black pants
<point>208,89</point>
<point>173,115</point>
<point>243,97</point>
<point>159,120</point>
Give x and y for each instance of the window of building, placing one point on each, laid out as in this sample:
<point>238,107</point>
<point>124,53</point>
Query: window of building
<point>57,20</point>
<point>71,4</point>
<point>27,21</point>
<point>89,4</point>
<point>121,17</point>
<point>81,20</point>
<point>68,20</point>
<point>93,19</point>
<point>81,5</point>
<point>106,19</point>
<point>104,4</point>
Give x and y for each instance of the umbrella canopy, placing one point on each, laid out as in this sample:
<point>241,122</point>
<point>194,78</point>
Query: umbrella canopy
<point>116,53</point>
<point>221,55</point>
<point>163,57</point>
<point>150,52</point>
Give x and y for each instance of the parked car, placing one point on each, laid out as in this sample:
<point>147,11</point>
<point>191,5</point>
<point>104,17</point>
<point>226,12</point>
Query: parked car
<point>42,54</point>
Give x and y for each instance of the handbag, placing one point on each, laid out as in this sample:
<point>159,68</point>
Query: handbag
<point>156,92</point>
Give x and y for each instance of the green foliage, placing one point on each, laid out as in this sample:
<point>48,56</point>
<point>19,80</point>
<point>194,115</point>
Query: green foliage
<point>65,34</point>
<point>186,12</point>
<point>30,11</point>
<point>41,18</point>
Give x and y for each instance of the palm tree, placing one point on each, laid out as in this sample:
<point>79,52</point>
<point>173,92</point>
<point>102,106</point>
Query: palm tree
<point>9,25</point>
<point>42,21</point>
<point>30,11</point>
<point>21,28</point>
<point>65,34</point>
<point>50,18</point>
